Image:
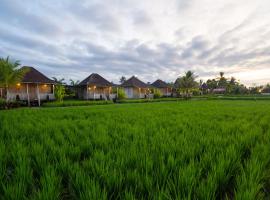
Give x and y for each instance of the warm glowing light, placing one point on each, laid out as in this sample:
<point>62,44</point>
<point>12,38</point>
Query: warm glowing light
<point>94,87</point>
<point>18,84</point>
<point>89,88</point>
<point>45,85</point>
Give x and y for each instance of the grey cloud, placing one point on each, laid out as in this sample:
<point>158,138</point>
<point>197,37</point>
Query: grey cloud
<point>14,14</point>
<point>140,17</point>
<point>80,52</point>
<point>98,14</point>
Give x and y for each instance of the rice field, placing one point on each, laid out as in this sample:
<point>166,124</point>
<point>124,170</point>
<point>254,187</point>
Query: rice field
<point>173,150</point>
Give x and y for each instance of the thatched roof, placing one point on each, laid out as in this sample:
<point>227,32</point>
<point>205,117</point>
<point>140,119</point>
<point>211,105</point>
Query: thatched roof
<point>134,82</point>
<point>95,80</point>
<point>160,84</point>
<point>34,76</point>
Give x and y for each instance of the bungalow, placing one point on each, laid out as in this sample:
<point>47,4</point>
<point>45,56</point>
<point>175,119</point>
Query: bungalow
<point>34,86</point>
<point>95,87</point>
<point>163,87</point>
<point>135,88</point>
<point>219,91</point>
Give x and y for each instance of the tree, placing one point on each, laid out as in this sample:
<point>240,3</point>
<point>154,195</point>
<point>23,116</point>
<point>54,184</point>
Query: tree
<point>122,79</point>
<point>187,83</point>
<point>10,73</point>
<point>211,84</point>
<point>73,82</point>
<point>59,92</point>
<point>59,81</point>
<point>222,81</point>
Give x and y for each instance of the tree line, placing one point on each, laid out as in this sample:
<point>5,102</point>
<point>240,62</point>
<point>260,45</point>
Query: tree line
<point>186,85</point>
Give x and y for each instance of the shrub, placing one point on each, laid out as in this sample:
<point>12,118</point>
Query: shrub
<point>148,100</point>
<point>59,92</point>
<point>121,94</point>
<point>68,103</point>
<point>157,94</point>
<point>2,103</point>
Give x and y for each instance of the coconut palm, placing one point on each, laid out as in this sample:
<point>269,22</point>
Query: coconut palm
<point>187,83</point>
<point>122,79</point>
<point>73,82</point>
<point>10,73</point>
<point>222,81</point>
<point>59,81</point>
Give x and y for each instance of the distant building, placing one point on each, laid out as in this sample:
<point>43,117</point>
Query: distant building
<point>163,87</point>
<point>95,87</point>
<point>135,88</point>
<point>34,86</point>
<point>219,91</point>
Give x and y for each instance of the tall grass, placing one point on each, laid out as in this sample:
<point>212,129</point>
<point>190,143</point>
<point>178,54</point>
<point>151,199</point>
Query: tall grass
<point>173,150</point>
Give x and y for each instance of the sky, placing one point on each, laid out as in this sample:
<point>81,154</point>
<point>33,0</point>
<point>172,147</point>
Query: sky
<point>150,39</point>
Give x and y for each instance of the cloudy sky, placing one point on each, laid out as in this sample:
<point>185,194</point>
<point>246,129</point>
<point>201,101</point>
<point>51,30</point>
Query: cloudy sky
<point>147,38</point>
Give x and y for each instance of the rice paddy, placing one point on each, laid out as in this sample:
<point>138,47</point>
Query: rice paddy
<point>173,150</point>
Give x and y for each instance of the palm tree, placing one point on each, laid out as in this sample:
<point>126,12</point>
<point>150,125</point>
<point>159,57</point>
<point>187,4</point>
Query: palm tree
<point>10,73</point>
<point>59,81</point>
<point>187,83</point>
<point>73,82</point>
<point>122,79</point>
<point>222,81</point>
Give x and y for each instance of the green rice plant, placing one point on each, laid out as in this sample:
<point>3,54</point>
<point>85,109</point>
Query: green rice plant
<point>163,150</point>
<point>68,103</point>
<point>50,185</point>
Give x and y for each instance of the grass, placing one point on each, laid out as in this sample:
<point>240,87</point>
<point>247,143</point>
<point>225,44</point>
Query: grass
<point>148,100</point>
<point>67,103</point>
<point>169,150</point>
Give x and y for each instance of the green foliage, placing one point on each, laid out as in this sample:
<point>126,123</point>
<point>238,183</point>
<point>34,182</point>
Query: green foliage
<point>148,100</point>
<point>157,93</point>
<point>10,73</point>
<point>173,150</point>
<point>59,92</point>
<point>122,79</point>
<point>186,84</point>
<point>121,94</point>
<point>2,103</point>
<point>67,103</point>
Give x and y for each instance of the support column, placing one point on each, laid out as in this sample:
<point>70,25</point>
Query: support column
<point>1,89</point>
<point>94,92</point>
<point>28,97</point>
<point>86,91</point>
<point>38,95</point>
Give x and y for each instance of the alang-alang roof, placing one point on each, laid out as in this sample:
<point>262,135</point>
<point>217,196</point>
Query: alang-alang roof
<point>160,84</point>
<point>95,80</point>
<point>134,82</point>
<point>34,76</point>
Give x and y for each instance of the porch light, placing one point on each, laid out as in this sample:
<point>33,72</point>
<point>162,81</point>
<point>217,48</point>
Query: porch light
<point>45,85</point>
<point>89,88</point>
<point>18,84</point>
<point>94,87</point>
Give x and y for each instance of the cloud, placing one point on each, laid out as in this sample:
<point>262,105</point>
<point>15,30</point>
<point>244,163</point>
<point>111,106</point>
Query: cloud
<point>153,39</point>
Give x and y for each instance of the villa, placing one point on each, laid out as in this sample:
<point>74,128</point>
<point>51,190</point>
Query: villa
<point>135,88</point>
<point>95,87</point>
<point>34,87</point>
<point>163,87</point>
